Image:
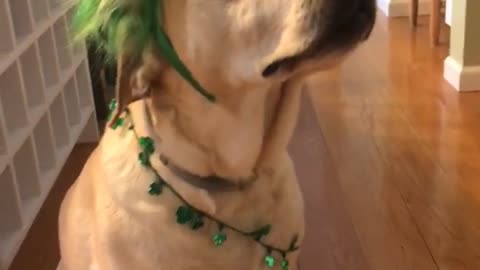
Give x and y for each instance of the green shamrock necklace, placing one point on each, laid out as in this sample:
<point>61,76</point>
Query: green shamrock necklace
<point>189,215</point>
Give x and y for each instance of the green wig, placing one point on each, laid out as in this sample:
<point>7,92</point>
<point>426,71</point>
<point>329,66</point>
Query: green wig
<point>119,26</point>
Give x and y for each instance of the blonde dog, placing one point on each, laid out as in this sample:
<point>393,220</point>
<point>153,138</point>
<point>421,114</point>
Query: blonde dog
<point>186,179</point>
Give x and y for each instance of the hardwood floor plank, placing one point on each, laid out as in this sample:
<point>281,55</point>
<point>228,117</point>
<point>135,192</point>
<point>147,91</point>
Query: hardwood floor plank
<point>386,229</point>
<point>332,243</point>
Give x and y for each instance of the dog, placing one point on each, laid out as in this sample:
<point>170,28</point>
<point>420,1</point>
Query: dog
<point>181,180</point>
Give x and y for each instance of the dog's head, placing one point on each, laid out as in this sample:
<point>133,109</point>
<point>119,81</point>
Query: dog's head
<point>253,41</point>
<point>232,44</point>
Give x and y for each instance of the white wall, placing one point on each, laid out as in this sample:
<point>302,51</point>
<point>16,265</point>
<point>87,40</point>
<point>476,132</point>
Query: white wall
<point>448,11</point>
<point>401,8</point>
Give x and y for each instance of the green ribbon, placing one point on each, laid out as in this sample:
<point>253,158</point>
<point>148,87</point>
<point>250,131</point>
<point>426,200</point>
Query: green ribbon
<point>169,53</point>
<point>132,26</point>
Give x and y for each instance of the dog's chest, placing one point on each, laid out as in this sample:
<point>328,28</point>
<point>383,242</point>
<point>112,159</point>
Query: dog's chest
<point>139,231</point>
<point>146,236</point>
<point>149,238</point>
<point>161,244</point>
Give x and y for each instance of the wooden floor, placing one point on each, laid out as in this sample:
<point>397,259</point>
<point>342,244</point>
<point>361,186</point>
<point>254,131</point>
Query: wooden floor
<point>388,156</point>
<point>392,173</point>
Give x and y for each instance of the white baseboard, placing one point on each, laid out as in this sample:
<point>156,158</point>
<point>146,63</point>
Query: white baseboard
<point>401,8</point>
<point>462,78</point>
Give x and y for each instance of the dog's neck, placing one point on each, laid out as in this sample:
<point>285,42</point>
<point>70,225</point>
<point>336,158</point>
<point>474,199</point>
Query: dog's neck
<point>212,183</point>
<point>120,149</point>
<point>224,139</point>
<point>120,154</point>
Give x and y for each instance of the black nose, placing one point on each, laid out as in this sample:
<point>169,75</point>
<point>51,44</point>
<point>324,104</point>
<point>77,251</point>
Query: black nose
<point>367,12</point>
<point>349,22</point>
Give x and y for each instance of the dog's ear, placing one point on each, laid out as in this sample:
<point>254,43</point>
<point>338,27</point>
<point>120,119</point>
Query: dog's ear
<point>123,90</point>
<point>135,77</point>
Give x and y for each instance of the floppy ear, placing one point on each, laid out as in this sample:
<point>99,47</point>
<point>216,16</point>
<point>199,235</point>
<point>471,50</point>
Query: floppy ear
<point>123,87</point>
<point>135,78</point>
<point>123,28</point>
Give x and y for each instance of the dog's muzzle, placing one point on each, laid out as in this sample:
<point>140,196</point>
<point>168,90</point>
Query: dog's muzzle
<point>347,23</point>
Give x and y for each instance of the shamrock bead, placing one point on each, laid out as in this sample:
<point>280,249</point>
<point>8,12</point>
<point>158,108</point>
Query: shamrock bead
<point>184,214</point>
<point>196,222</point>
<point>270,261</point>
<point>144,159</point>
<point>155,189</point>
<point>284,264</point>
<point>219,238</point>
<point>118,123</point>
<point>147,145</point>
<point>112,105</point>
